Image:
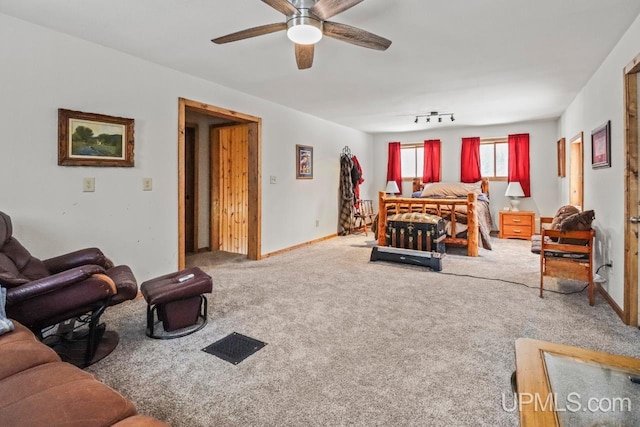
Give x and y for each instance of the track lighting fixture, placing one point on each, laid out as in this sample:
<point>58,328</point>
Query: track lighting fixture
<point>434,114</point>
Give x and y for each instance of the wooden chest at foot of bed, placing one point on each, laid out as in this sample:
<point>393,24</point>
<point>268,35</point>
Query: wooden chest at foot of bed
<point>416,231</point>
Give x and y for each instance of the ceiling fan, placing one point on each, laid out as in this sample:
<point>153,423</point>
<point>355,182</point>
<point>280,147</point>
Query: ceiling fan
<point>306,24</point>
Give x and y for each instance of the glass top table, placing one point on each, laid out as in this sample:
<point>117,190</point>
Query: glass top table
<point>559,385</point>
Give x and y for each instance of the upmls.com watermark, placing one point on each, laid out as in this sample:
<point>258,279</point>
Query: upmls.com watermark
<point>573,403</point>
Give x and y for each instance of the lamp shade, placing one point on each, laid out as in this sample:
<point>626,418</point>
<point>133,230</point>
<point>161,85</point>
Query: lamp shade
<point>391,188</point>
<point>514,189</point>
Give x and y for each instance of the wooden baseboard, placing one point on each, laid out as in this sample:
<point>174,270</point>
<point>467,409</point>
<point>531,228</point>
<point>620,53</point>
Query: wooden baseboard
<point>301,245</point>
<point>612,303</point>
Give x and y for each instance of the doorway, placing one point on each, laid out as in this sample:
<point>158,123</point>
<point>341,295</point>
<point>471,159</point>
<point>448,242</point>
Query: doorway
<point>576,172</point>
<point>191,188</point>
<point>251,166</point>
<point>631,95</point>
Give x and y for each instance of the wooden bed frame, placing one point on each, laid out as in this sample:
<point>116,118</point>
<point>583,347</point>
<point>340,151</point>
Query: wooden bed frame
<point>392,205</point>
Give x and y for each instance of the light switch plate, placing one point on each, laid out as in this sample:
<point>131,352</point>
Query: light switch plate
<point>89,184</point>
<point>272,179</point>
<point>147,184</point>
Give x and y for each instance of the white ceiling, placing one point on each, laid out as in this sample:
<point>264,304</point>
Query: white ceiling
<point>487,61</point>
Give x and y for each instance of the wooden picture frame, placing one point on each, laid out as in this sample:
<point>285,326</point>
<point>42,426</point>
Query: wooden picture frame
<point>88,139</point>
<point>562,158</point>
<point>601,146</point>
<point>304,162</point>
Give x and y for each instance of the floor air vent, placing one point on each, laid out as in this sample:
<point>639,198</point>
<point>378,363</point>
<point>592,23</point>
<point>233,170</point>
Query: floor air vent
<point>234,348</point>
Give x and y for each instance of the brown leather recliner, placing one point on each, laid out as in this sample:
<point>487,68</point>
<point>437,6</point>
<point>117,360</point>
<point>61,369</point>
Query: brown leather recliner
<point>77,285</point>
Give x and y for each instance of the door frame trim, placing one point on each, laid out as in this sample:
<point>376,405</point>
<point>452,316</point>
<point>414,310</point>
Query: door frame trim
<point>255,173</point>
<point>579,136</point>
<point>631,146</point>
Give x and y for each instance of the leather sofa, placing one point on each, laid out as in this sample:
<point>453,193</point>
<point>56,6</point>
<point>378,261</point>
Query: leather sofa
<point>38,389</point>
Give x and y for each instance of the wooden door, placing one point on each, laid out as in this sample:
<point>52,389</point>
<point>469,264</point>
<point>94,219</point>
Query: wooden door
<point>632,193</point>
<point>576,176</point>
<point>190,144</point>
<point>230,188</point>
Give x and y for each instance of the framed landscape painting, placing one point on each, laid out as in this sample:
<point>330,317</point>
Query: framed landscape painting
<point>88,139</point>
<point>304,162</point>
<point>601,146</point>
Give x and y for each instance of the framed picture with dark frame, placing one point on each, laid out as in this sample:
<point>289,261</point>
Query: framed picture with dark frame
<point>88,139</point>
<point>304,162</point>
<point>601,146</point>
<point>561,158</point>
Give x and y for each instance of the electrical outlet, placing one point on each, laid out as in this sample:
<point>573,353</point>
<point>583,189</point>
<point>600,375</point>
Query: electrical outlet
<point>147,184</point>
<point>272,179</point>
<point>89,184</point>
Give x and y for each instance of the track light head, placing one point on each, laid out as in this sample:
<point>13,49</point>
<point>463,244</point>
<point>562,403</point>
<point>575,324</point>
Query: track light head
<point>452,119</point>
<point>416,120</point>
<point>439,119</point>
<point>428,119</point>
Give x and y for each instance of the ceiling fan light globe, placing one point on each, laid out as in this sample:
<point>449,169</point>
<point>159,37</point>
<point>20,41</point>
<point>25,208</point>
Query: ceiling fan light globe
<point>304,30</point>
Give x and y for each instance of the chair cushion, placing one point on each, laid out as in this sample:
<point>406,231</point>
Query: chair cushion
<point>59,394</point>
<point>17,266</point>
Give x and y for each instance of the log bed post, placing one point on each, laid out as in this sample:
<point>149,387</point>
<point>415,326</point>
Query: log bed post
<point>472,225</point>
<point>382,215</point>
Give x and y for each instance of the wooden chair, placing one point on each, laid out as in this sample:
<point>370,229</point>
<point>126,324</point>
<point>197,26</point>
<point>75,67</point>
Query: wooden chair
<point>363,213</point>
<point>564,255</point>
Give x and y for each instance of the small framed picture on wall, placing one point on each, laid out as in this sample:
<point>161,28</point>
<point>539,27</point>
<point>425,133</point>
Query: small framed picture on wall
<point>601,146</point>
<point>304,162</point>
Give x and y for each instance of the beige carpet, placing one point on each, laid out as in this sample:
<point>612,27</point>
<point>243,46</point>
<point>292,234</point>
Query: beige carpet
<point>352,342</point>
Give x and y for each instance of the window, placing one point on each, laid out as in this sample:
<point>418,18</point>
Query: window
<point>412,160</point>
<point>494,158</point>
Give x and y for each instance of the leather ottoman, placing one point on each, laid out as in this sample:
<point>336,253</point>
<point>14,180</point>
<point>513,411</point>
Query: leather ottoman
<point>177,300</point>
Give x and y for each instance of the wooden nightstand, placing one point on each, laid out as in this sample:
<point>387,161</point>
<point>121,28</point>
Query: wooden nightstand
<point>517,225</point>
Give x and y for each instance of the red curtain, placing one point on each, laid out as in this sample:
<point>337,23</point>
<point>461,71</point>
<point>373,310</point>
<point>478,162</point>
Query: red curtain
<point>394,171</point>
<point>470,160</point>
<point>431,167</point>
<point>519,161</point>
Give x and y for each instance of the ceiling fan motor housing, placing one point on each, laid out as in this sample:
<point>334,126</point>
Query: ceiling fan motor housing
<point>308,27</point>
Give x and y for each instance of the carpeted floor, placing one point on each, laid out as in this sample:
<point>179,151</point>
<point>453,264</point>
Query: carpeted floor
<point>352,342</point>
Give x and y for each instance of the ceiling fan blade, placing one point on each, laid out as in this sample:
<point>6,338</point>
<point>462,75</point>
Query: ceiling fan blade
<point>355,36</point>
<point>325,9</point>
<point>250,32</point>
<point>304,55</point>
<point>282,6</point>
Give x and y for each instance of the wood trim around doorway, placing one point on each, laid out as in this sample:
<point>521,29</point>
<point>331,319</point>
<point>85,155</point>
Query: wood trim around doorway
<point>254,176</point>
<point>631,146</point>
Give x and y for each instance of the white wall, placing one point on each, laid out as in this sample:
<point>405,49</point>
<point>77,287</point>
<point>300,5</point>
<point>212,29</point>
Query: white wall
<point>600,100</point>
<point>43,70</point>
<point>542,154</point>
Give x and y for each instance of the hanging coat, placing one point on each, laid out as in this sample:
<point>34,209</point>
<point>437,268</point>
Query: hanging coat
<point>356,179</point>
<point>346,195</point>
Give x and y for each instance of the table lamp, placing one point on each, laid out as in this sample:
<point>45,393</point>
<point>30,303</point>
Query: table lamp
<point>514,190</point>
<point>391,188</point>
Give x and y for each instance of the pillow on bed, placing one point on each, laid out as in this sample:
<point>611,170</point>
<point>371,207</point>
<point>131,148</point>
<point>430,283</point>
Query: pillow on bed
<point>451,189</point>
